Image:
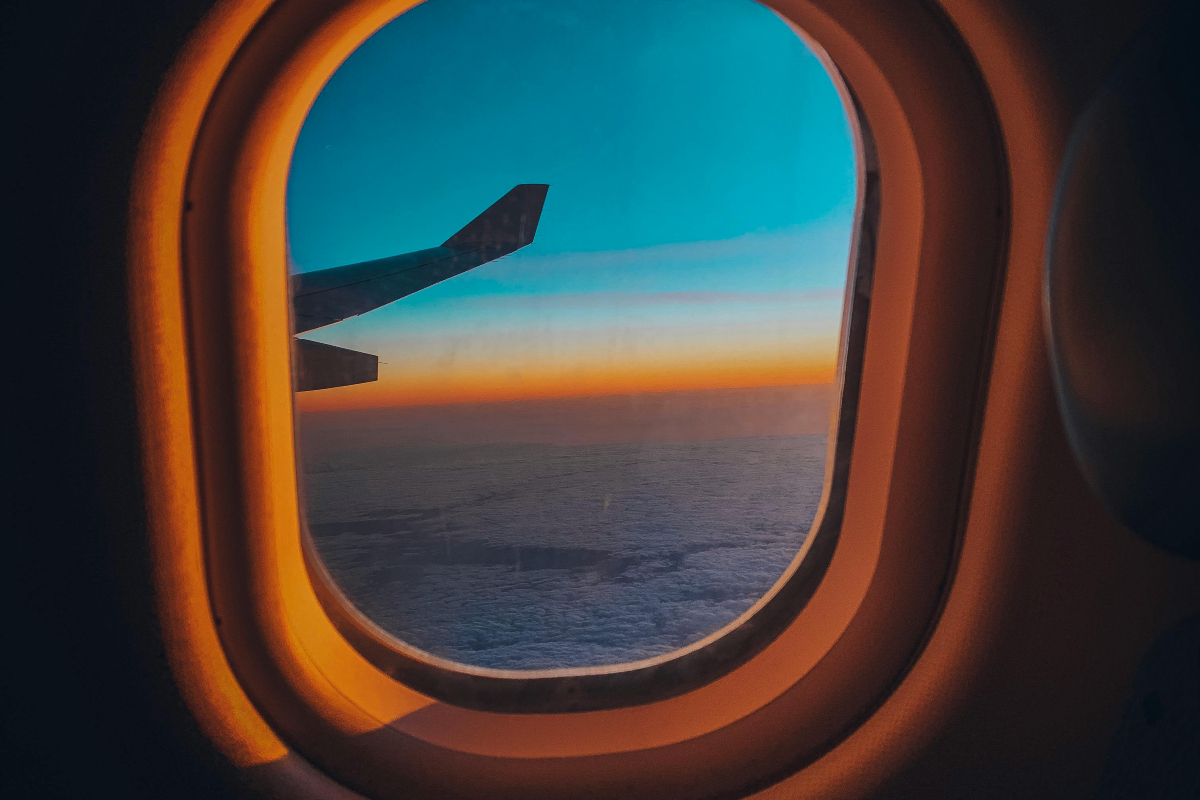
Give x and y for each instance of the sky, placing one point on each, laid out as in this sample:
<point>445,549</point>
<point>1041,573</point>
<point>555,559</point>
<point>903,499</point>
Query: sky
<point>697,228</point>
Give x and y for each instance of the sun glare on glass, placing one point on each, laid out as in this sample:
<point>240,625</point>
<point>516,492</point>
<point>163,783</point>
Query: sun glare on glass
<point>568,281</point>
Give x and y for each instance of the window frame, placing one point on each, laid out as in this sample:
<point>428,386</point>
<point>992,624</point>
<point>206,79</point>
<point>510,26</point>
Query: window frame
<point>212,345</point>
<point>679,671</point>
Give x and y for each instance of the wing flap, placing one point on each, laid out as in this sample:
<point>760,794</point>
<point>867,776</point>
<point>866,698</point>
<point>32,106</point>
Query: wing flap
<point>316,365</point>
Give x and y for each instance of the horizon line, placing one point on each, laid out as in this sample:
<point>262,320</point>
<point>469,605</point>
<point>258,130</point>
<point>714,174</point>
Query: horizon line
<point>546,398</point>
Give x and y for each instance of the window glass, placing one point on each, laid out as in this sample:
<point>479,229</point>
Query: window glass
<point>568,282</point>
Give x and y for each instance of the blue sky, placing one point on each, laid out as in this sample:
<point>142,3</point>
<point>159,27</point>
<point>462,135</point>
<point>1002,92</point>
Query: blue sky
<point>701,169</point>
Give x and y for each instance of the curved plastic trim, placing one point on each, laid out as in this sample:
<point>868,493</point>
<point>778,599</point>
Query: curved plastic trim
<point>210,302</point>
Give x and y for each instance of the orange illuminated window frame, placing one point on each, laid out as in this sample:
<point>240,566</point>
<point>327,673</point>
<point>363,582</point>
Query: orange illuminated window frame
<point>296,692</point>
<point>677,672</point>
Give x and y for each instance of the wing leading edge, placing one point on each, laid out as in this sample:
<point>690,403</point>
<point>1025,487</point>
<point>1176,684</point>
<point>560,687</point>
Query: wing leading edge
<point>331,295</point>
<point>328,296</point>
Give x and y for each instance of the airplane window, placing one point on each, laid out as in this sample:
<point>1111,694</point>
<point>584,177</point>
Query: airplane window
<point>568,287</point>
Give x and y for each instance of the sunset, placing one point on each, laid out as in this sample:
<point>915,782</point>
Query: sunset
<point>568,291</point>
<point>546,346</point>
<point>695,234</point>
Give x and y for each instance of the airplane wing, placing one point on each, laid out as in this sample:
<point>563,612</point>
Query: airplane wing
<point>328,296</point>
<point>331,295</point>
<point>322,366</point>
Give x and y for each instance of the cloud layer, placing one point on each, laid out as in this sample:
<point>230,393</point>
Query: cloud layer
<point>539,556</point>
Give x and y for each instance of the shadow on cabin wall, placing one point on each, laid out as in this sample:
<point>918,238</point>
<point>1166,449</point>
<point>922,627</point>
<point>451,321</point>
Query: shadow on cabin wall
<point>89,706</point>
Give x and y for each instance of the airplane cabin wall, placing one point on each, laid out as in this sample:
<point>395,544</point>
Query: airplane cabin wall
<point>1082,598</point>
<point>89,702</point>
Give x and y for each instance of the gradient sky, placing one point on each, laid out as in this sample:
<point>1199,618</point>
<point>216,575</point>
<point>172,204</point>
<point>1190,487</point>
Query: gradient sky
<point>697,228</point>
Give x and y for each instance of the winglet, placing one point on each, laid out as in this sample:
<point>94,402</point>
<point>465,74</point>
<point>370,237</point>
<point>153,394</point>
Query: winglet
<point>509,223</point>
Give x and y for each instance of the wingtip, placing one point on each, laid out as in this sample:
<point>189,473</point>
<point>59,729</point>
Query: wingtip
<point>510,222</point>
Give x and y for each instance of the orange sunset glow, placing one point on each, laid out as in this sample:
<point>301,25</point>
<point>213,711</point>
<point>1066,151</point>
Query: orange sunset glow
<point>475,381</point>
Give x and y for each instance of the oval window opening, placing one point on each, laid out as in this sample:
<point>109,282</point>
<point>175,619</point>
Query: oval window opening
<point>568,288</point>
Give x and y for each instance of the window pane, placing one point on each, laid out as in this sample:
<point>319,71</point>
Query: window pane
<point>596,428</point>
